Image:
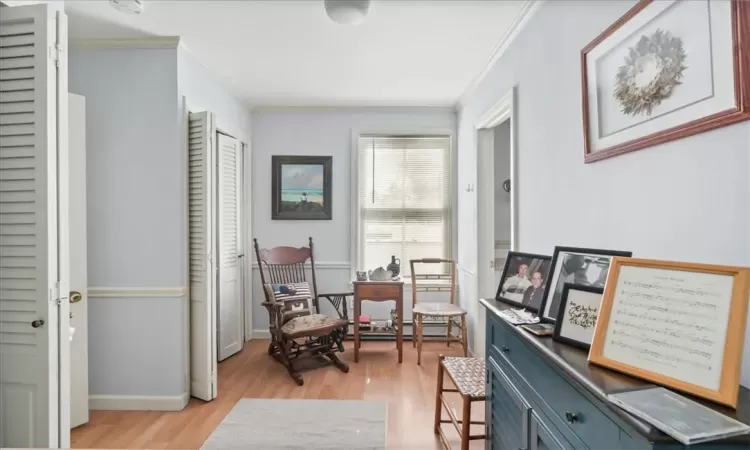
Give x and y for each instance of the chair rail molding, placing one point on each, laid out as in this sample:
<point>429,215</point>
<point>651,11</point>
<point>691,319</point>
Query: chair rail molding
<point>137,292</point>
<point>322,265</point>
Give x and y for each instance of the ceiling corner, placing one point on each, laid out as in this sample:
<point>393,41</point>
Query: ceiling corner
<point>523,17</point>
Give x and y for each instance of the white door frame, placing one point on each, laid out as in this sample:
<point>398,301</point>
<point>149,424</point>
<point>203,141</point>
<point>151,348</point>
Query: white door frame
<point>501,111</point>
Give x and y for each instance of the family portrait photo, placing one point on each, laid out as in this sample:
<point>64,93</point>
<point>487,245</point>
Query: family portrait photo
<point>523,280</point>
<point>301,187</point>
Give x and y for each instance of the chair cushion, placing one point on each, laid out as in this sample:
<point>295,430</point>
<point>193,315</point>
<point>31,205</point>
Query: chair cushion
<point>312,325</point>
<point>297,299</point>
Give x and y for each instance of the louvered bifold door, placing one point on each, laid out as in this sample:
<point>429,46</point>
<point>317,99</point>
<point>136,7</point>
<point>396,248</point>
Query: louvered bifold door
<point>230,299</point>
<point>32,215</point>
<point>201,235</point>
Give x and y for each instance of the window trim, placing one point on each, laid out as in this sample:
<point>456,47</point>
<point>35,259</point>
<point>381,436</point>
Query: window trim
<point>355,225</point>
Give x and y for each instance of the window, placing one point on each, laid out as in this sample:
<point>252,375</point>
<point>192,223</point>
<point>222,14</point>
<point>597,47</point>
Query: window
<point>404,200</point>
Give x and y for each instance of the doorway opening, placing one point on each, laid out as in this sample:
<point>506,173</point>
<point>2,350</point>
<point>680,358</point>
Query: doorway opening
<point>497,201</point>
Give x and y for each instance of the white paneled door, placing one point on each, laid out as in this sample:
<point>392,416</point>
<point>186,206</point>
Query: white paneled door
<point>34,321</point>
<point>79,345</point>
<point>201,132</point>
<point>231,322</point>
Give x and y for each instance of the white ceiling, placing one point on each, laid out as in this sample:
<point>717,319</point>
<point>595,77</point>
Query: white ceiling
<point>288,53</point>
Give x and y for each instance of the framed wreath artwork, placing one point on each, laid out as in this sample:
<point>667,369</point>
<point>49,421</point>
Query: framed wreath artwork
<point>665,70</point>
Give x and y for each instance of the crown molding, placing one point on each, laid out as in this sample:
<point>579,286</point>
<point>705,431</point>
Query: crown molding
<point>518,24</point>
<point>164,42</point>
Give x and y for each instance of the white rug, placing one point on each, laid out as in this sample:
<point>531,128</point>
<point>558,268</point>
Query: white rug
<point>269,424</point>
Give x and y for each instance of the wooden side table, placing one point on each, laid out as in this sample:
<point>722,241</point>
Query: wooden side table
<point>379,291</point>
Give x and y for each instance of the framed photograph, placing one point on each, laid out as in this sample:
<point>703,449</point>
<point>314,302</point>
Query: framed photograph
<point>681,325</point>
<point>301,187</point>
<point>580,266</point>
<point>523,280</point>
<point>665,70</point>
<point>576,318</point>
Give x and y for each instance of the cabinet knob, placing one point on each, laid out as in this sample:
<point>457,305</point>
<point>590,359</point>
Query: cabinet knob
<point>571,417</point>
<point>37,323</point>
<point>505,349</point>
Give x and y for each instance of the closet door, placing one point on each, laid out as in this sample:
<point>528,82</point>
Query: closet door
<point>34,321</point>
<point>229,244</point>
<point>201,132</point>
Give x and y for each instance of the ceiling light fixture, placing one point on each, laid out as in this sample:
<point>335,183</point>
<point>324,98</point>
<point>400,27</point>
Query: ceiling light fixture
<point>347,12</point>
<point>128,6</point>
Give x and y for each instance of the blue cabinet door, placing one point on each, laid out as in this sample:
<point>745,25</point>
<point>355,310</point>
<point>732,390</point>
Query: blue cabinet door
<point>509,413</point>
<point>542,438</point>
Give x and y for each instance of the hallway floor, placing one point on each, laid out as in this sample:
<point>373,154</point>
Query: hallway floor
<point>408,388</point>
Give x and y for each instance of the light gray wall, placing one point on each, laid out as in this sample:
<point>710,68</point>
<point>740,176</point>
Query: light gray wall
<point>134,189</point>
<point>685,200</point>
<point>324,131</point>
<point>502,173</point>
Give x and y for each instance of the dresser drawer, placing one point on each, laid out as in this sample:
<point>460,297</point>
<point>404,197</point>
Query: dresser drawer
<point>549,392</point>
<point>378,291</point>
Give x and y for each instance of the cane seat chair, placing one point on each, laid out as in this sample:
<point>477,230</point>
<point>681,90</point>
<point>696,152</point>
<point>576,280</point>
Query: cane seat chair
<point>299,331</point>
<point>441,314</point>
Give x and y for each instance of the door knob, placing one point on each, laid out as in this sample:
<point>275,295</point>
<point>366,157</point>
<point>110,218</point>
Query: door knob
<point>37,323</point>
<point>75,297</point>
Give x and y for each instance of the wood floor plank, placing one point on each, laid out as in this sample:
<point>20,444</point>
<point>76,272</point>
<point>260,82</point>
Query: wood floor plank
<point>408,388</point>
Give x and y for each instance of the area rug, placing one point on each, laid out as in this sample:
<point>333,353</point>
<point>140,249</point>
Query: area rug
<point>269,424</point>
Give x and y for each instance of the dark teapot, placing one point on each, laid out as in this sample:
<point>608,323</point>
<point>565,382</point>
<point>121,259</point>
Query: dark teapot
<point>395,266</point>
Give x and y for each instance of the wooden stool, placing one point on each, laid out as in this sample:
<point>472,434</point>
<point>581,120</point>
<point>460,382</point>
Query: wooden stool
<point>467,374</point>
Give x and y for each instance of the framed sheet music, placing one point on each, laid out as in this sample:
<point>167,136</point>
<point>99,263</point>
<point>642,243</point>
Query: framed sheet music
<point>681,325</point>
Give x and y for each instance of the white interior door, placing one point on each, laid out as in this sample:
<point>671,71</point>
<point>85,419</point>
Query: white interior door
<point>201,206</point>
<point>79,344</point>
<point>34,364</point>
<point>230,324</point>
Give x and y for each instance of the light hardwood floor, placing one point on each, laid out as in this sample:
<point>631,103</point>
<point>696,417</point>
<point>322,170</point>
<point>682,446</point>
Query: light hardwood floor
<point>408,388</point>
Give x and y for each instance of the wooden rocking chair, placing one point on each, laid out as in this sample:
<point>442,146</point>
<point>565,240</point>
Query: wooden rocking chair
<point>298,330</point>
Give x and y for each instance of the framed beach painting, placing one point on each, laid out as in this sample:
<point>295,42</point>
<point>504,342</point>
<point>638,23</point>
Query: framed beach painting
<point>301,187</point>
<point>665,70</point>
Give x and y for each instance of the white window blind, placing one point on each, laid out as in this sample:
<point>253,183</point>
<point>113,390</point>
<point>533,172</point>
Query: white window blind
<point>404,200</point>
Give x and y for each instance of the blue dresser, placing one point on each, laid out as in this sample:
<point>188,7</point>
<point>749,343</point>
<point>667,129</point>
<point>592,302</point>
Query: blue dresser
<point>544,395</point>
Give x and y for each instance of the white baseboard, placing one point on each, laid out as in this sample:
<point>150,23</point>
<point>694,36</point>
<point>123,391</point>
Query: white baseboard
<point>139,402</point>
<point>261,334</point>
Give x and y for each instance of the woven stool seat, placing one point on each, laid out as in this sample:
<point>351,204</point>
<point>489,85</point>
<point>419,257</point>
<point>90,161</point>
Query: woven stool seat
<point>467,374</point>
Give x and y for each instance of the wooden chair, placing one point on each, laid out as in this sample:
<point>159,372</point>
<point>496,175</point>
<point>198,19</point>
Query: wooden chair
<point>467,375</point>
<point>298,330</point>
<point>442,314</point>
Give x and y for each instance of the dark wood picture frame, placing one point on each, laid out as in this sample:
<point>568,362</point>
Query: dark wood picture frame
<point>553,266</point>
<point>557,333</point>
<point>277,211</point>
<point>741,69</point>
<point>506,268</point>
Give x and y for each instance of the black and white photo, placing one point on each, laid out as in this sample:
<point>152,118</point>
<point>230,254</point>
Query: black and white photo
<point>576,318</point>
<point>523,280</point>
<point>581,266</point>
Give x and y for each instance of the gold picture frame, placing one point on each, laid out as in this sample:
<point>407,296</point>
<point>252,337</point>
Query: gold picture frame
<point>682,350</point>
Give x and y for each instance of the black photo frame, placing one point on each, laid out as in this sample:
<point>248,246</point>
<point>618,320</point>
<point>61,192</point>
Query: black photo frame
<point>532,261</point>
<point>583,316</point>
<point>309,206</point>
<point>553,292</point>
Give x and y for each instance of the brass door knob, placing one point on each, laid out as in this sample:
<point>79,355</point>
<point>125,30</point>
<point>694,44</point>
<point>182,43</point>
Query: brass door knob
<point>75,297</point>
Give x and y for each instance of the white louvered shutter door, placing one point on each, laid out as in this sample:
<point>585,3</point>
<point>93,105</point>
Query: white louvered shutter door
<point>230,300</point>
<point>201,132</point>
<point>32,257</point>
